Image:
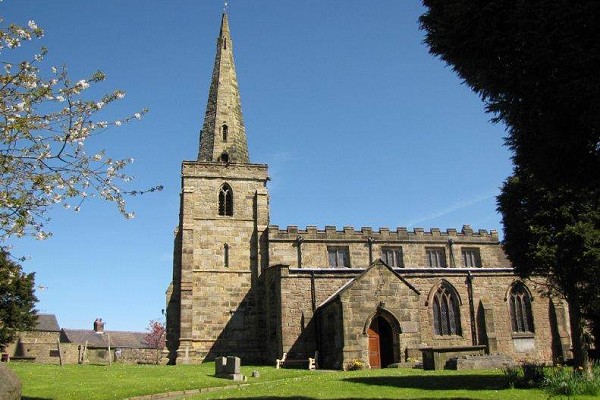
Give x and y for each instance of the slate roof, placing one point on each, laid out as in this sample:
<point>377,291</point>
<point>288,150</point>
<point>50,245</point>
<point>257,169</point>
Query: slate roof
<point>130,340</point>
<point>46,323</point>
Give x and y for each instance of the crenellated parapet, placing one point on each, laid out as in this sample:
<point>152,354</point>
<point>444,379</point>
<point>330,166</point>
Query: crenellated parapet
<point>400,234</point>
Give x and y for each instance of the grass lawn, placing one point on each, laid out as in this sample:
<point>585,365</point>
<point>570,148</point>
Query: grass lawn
<point>122,381</point>
<point>100,382</point>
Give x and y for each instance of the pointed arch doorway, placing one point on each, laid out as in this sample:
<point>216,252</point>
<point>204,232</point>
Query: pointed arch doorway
<point>381,343</point>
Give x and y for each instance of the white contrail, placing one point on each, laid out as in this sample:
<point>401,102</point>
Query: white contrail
<point>454,207</point>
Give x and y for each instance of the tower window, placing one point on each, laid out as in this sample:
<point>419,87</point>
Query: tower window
<point>446,314</point>
<point>226,255</point>
<point>225,43</point>
<point>224,157</point>
<point>225,200</point>
<point>520,309</point>
<point>225,130</point>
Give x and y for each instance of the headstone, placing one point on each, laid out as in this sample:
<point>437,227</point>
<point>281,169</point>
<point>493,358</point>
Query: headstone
<point>255,374</point>
<point>229,368</point>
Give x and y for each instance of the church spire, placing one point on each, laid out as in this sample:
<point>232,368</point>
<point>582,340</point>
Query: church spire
<point>223,136</point>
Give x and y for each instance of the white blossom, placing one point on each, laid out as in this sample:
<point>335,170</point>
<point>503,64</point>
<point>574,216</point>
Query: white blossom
<point>83,84</point>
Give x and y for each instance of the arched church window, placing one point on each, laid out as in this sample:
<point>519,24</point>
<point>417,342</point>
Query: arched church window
<point>224,157</point>
<point>520,309</point>
<point>225,131</point>
<point>225,200</point>
<point>446,313</point>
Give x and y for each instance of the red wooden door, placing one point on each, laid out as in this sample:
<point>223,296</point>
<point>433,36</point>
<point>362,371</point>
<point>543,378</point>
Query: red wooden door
<point>374,351</point>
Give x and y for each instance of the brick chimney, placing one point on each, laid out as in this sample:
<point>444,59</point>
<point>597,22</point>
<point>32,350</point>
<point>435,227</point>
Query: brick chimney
<point>99,326</point>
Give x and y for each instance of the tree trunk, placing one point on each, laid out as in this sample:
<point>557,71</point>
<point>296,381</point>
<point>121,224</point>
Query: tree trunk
<point>580,347</point>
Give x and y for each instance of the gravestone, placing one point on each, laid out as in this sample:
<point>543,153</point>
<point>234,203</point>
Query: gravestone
<point>229,368</point>
<point>10,386</point>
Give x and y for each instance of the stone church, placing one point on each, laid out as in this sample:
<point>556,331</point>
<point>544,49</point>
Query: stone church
<point>246,288</point>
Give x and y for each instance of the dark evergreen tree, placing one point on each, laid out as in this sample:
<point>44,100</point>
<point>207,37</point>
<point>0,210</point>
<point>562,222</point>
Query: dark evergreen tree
<point>536,65</point>
<point>17,300</point>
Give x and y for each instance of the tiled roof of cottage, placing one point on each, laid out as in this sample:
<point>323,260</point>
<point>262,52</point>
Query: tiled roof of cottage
<point>47,323</point>
<point>131,340</point>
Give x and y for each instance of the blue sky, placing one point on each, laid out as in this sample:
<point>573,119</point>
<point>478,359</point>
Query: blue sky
<point>360,126</point>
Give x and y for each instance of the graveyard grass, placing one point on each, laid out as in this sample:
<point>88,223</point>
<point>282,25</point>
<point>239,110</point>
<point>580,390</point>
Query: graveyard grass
<point>122,381</point>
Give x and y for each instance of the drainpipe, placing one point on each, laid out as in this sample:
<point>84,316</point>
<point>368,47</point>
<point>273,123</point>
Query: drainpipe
<point>370,242</point>
<point>316,313</point>
<point>313,294</point>
<point>452,260</point>
<point>469,283</point>
<point>299,241</point>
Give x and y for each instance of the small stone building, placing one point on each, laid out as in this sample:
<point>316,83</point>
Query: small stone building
<point>100,346</point>
<point>38,344</point>
<point>242,287</point>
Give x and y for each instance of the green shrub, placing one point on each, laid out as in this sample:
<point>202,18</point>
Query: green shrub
<point>512,375</point>
<point>567,382</point>
<point>533,373</point>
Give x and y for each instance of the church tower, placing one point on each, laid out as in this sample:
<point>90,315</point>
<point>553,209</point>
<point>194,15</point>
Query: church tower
<point>214,307</point>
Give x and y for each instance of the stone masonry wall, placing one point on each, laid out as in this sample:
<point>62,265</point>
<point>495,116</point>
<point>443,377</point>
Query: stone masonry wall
<point>221,260</point>
<point>38,344</point>
<point>490,287</point>
<point>313,243</point>
<point>378,291</point>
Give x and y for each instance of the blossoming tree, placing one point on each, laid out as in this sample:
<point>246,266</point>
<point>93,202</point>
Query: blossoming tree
<point>156,337</point>
<point>45,123</point>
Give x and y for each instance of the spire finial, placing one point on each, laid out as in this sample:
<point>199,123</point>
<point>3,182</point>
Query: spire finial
<point>225,6</point>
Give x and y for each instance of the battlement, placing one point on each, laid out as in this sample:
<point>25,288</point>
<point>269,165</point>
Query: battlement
<point>349,233</point>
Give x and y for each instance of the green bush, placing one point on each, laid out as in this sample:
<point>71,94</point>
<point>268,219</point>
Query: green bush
<point>567,382</point>
<point>533,373</point>
<point>512,375</point>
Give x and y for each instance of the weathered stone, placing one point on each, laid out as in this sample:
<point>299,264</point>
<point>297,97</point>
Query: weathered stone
<point>228,367</point>
<point>243,287</point>
<point>10,385</point>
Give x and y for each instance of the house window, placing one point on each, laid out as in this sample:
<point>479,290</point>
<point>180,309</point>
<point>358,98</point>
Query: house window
<point>392,256</point>
<point>436,257</point>
<point>471,258</point>
<point>225,131</point>
<point>446,313</point>
<point>520,309</point>
<point>226,200</point>
<point>338,257</point>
